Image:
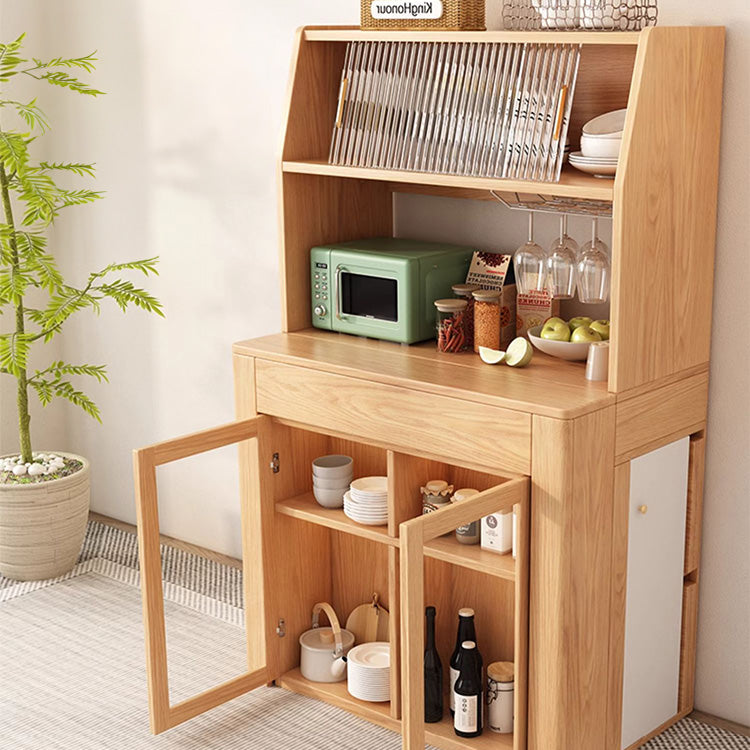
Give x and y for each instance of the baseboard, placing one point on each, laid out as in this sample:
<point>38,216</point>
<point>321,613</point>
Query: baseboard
<point>715,721</point>
<point>177,543</point>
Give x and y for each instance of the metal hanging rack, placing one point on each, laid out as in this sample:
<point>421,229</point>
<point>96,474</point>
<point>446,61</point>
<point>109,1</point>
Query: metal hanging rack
<point>553,204</point>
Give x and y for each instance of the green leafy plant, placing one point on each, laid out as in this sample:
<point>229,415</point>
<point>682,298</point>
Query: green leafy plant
<point>27,268</point>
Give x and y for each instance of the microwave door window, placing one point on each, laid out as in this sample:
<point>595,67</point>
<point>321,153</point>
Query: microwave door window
<point>369,296</point>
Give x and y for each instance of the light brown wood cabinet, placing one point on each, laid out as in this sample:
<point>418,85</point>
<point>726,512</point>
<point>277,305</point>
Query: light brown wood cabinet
<point>542,440</point>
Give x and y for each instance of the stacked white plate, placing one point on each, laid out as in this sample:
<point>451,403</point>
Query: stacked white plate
<point>595,165</point>
<point>367,501</point>
<point>369,672</point>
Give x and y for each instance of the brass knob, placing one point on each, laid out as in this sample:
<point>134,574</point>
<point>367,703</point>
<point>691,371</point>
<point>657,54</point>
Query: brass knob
<point>643,509</point>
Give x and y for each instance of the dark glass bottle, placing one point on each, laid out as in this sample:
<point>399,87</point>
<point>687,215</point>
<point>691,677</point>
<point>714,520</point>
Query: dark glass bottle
<point>433,673</point>
<point>468,695</point>
<point>466,632</point>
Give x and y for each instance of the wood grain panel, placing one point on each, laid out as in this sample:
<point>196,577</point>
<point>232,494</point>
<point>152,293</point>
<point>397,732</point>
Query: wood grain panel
<point>664,229</point>
<point>548,386</point>
<point>521,623</point>
<point>296,554</point>
<point>686,697</point>
<point>618,601</point>
<point>494,438</point>
<point>663,415</point>
<point>317,210</point>
<point>370,560</point>
<point>571,552</point>
<point>694,523</point>
<point>604,78</point>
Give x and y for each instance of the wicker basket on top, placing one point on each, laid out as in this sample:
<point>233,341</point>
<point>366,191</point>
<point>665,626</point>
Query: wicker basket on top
<point>457,15</point>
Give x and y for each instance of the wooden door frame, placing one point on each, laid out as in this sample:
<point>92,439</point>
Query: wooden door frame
<point>163,715</point>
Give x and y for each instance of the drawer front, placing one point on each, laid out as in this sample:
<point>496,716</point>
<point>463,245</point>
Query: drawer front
<point>406,420</point>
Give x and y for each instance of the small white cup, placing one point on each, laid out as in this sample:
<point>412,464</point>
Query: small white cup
<point>597,364</point>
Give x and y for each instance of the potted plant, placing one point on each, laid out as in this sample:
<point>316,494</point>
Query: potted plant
<point>44,496</point>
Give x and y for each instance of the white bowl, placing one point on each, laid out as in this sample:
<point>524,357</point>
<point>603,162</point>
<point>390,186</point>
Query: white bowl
<point>569,350</point>
<point>336,483</point>
<point>332,467</point>
<point>329,498</point>
<point>609,124</point>
<point>600,148</point>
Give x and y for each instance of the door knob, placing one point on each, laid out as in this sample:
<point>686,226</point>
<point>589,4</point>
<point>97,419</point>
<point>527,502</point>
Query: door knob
<point>643,509</point>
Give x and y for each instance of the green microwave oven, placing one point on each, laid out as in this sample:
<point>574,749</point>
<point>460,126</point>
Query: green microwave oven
<point>384,288</point>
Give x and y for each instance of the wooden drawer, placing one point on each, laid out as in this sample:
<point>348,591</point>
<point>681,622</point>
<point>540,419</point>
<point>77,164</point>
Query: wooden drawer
<point>437,426</point>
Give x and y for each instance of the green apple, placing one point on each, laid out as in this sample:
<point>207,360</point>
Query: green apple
<point>585,334</point>
<point>555,329</point>
<point>581,320</point>
<point>602,328</point>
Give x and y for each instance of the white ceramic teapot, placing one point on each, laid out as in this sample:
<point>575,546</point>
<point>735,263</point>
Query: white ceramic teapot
<point>323,650</point>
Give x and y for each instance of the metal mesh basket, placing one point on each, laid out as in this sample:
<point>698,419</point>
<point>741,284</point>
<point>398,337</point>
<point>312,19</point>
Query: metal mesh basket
<point>585,15</point>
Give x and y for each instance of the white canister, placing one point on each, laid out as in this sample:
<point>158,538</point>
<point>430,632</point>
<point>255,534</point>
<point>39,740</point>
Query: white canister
<point>497,532</point>
<point>500,696</point>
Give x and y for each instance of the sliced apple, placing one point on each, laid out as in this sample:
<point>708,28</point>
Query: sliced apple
<point>491,356</point>
<point>519,353</point>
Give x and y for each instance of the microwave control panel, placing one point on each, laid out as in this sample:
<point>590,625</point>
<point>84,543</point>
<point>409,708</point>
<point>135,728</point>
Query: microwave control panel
<point>321,293</point>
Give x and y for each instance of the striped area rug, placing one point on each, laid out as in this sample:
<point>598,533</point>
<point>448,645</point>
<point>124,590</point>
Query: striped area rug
<point>73,675</point>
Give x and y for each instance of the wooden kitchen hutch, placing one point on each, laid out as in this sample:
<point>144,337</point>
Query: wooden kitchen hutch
<point>558,448</point>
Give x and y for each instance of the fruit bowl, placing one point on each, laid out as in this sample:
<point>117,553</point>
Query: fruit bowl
<point>561,349</point>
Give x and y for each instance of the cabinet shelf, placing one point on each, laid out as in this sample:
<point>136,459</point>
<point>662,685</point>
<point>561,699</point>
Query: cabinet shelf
<point>572,184</point>
<point>440,735</point>
<point>306,508</point>
<point>447,549</point>
<point>355,34</point>
<point>336,694</point>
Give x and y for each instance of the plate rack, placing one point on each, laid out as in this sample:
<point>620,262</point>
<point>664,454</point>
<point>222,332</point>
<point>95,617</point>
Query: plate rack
<point>481,109</point>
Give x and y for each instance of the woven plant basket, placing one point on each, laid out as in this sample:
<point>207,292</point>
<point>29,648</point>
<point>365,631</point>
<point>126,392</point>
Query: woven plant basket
<point>42,525</point>
<point>458,15</point>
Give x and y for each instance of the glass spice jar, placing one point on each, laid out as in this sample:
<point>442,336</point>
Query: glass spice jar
<point>451,325</point>
<point>486,319</point>
<point>464,291</point>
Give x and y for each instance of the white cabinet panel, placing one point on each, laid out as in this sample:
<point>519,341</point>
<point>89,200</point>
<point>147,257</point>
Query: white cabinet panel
<point>656,550</point>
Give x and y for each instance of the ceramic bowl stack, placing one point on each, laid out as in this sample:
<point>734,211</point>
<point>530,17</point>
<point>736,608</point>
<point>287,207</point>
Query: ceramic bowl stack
<point>367,501</point>
<point>369,672</point>
<point>600,145</point>
<point>332,476</point>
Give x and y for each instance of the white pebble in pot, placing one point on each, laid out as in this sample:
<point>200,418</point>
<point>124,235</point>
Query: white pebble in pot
<point>19,470</point>
<point>36,470</point>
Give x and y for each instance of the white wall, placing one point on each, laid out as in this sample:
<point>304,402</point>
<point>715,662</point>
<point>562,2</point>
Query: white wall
<point>186,141</point>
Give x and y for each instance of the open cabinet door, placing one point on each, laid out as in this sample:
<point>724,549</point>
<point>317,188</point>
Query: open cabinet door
<point>163,715</point>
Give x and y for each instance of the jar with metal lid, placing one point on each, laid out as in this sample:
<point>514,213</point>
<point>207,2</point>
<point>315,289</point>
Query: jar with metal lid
<point>464,291</point>
<point>469,533</point>
<point>500,689</point>
<point>486,318</point>
<point>436,495</point>
<point>451,325</point>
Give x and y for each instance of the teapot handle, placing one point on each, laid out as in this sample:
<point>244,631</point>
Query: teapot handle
<point>335,627</point>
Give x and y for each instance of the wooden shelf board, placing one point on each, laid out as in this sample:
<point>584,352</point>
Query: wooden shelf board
<point>440,735</point>
<point>336,694</point>
<point>573,184</point>
<point>306,508</point>
<point>472,556</point>
<point>355,34</point>
<point>548,386</point>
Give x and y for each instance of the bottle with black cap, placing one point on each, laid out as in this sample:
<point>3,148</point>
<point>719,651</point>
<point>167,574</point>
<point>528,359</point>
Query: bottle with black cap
<point>466,632</point>
<point>467,693</point>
